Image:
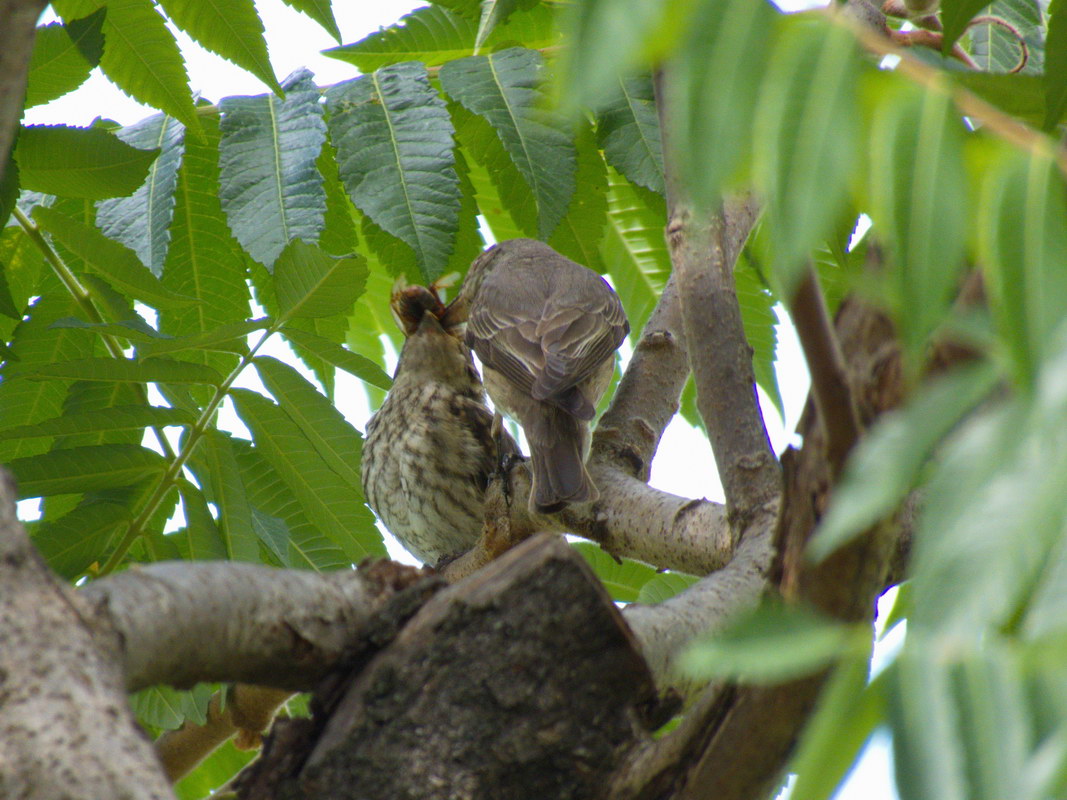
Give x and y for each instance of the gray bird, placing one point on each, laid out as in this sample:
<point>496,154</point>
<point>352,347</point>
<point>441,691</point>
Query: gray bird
<point>545,329</point>
<point>430,449</point>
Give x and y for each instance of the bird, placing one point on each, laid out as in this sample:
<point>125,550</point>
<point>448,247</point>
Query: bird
<point>431,448</point>
<point>545,329</point>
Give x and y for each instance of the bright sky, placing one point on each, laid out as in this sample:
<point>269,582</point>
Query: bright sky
<point>684,463</point>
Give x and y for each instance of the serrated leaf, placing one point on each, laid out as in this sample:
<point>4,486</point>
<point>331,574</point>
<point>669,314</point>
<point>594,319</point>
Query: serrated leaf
<point>114,261</point>
<point>886,463</point>
<point>121,370</point>
<point>578,234</point>
<point>955,14</point>
<point>394,152</point>
<point>326,499</point>
<point>203,260</point>
<point>200,539</point>
<point>310,283</point>
<point>232,29</point>
<point>270,188</point>
<point>771,644</point>
<point>142,220</point>
<point>494,13</point>
<point>1023,243</point>
<point>1055,76</point>
<point>216,467</point>
<point>103,420</point>
<point>79,162</point>
<point>141,56</point>
<point>36,343</point>
<point>664,586</point>
<point>320,11</point>
<point>997,49</point>
<point>628,132</point>
<point>73,542</point>
<point>635,248</point>
<point>731,40</point>
<point>434,36</point>
<point>759,319</point>
<point>278,519</point>
<point>506,89</point>
<point>335,354</point>
<point>214,771</point>
<point>807,124</point>
<point>231,338</point>
<point>58,64</point>
<point>167,708</point>
<point>85,469</point>
<point>334,439</point>
<point>624,579</point>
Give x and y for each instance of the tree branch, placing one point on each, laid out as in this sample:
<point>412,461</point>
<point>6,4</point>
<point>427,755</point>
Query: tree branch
<point>240,622</point>
<point>18,21</point>
<point>65,727</point>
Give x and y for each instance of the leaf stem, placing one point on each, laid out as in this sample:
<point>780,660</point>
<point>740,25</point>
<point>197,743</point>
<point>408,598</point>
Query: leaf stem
<point>170,477</point>
<point>84,299</point>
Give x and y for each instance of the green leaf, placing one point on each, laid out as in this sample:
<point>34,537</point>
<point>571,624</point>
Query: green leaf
<point>847,715</point>
<point>327,500</point>
<point>203,260</point>
<point>772,644</point>
<point>79,162</point>
<point>1023,242</point>
<point>995,49</point>
<point>578,234</point>
<point>103,420</point>
<point>232,29</point>
<point>608,41</point>
<point>664,586</point>
<point>335,354</point>
<point>955,14</point>
<point>1055,76</point>
<point>731,38</point>
<point>214,771</point>
<point>759,319</point>
<point>807,125</point>
<point>134,329</point>
<point>635,248</point>
<point>919,204</point>
<point>231,338</point>
<point>927,751</point>
<point>394,150</point>
<point>142,220</point>
<point>494,13</point>
<point>278,519</point>
<point>167,708</point>
<point>310,283</point>
<point>85,469</point>
<point>1022,96</point>
<point>270,188</point>
<point>434,36</point>
<point>58,64</point>
<point>216,468</point>
<point>628,132</point>
<point>155,370</point>
<point>505,88</point>
<point>72,543</point>
<point>622,578</point>
<point>887,462</point>
<point>201,540</point>
<point>114,261</point>
<point>320,11</point>
<point>334,439</point>
<point>141,56</point>
<point>36,343</point>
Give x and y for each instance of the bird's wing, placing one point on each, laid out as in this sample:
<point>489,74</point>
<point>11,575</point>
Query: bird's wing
<point>577,340</point>
<point>503,339</point>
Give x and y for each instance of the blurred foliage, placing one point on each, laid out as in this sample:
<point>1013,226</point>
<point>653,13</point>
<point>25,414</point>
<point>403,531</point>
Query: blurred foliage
<point>144,268</point>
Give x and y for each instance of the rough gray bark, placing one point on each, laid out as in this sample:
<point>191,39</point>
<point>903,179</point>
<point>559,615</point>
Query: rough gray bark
<point>521,682</point>
<point>19,18</point>
<point>66,730</point>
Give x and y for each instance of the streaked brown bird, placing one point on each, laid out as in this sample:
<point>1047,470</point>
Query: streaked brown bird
<point>430,449</point>
<point>545,329</point>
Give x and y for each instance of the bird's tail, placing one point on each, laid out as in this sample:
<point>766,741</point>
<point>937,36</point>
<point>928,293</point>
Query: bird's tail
<point>557,458</point>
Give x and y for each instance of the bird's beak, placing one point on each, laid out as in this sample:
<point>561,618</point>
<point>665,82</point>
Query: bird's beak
<point>429,323</point>
<point>457,311</point>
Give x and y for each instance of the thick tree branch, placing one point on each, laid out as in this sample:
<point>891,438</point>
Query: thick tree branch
<point>65,727</point>
<point>18,21</point>
<point>239,622</point>
<point>830,387</point>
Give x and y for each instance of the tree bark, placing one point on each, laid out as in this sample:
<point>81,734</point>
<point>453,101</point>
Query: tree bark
<point>18,21</point>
